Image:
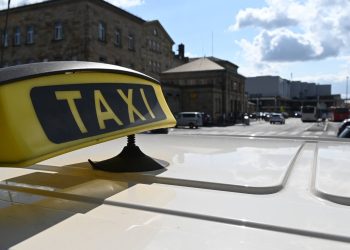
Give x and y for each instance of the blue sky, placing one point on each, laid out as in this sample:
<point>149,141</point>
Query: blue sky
<point>306,40</point>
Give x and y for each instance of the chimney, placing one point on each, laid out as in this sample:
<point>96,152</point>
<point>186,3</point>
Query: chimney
<point>181,51</point>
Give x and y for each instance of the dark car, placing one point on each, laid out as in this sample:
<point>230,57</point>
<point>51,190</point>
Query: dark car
<point>297,114</point>
<point>253,116</point>
<point>343,125</point>
<point>277,118</point>
<point>345,133</point>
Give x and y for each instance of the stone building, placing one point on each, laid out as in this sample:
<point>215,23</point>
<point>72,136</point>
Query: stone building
<point>208,85</point>
<point>86,30</point>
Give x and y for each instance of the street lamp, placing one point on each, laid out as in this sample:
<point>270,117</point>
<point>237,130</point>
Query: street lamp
<point>347,81</point>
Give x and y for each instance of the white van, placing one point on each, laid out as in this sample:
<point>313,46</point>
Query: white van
<point>191,119</point>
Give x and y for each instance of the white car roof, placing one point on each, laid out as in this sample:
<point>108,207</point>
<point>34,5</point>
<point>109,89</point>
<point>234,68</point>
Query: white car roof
<point>218,192</point>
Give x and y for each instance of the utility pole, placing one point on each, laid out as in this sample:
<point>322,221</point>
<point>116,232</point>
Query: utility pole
<point>347,81</point>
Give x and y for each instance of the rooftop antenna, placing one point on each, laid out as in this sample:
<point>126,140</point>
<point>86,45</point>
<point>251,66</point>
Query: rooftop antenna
<point>4,33</point>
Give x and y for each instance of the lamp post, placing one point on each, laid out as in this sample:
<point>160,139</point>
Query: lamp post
<point>347,81</point>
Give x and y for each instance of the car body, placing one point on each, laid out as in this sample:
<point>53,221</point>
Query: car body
<point>189,119</point>
<point>218,192</point>
<point>297,114</point>
<point>277,118</point>
<point>253,115</point>
<point>343,125</point>
<point>285,115</point>
<point>265,116</point>
<point>345,133</point>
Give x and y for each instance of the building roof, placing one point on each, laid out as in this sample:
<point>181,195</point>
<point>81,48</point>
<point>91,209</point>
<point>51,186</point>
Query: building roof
<point>47,3</point>
<point>201,64</point>
<point>156,22</point>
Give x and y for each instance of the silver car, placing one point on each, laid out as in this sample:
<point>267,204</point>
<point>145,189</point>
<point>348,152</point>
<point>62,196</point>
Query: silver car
<point>277,118</point>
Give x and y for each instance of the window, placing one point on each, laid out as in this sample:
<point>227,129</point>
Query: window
<point>17,37</point>
<point>30,35</point>
<point>234,86</point>
<point>118,38</point>
<point>102,31</point>
<point>5,42</point>
<point>58,32</point>
<point>155,32</point>
<point>131,42</point>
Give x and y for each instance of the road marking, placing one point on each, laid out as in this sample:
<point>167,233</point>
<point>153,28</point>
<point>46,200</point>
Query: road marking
<point>331,133</point>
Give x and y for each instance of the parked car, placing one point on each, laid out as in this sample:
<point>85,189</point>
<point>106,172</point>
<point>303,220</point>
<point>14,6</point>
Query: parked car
<point>190,119</point>
<point>285,115</point>
<point>345,133</point>
<point>277,118</point>
<point>297,114</point>
<point>342,126</point>
<point>266,116</point>
<point>253,116</point>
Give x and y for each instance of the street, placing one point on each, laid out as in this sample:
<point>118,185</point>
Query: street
<point>259,128</point>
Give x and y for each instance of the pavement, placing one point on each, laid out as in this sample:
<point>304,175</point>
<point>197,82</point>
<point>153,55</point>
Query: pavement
<point>319,126</point>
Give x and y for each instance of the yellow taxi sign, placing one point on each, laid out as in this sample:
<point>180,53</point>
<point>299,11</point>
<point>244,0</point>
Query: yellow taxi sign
<point>47,109</point>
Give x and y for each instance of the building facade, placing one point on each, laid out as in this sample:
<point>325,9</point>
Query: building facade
<point>274,94</point>
<point>86,30</point>
<point>208,85</point>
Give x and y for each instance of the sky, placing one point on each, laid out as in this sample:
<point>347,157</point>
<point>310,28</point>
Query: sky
<point>300,40</point>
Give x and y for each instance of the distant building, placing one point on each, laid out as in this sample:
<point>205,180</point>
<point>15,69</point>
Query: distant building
<point>275,94</point>
<point>268,86</point>
<point>87,30</point>
<point>209,85</point>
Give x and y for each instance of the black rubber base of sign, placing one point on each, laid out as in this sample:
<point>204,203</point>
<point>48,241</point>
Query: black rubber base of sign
<point>131,159</point>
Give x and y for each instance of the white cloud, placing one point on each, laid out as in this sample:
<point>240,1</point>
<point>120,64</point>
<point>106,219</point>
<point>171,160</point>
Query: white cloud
<point>16,3</point>
<point>266,18</point>
<point>119,3</point>
<point>126,3</point>
<point>297,31</point>
<point>191,55</point>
